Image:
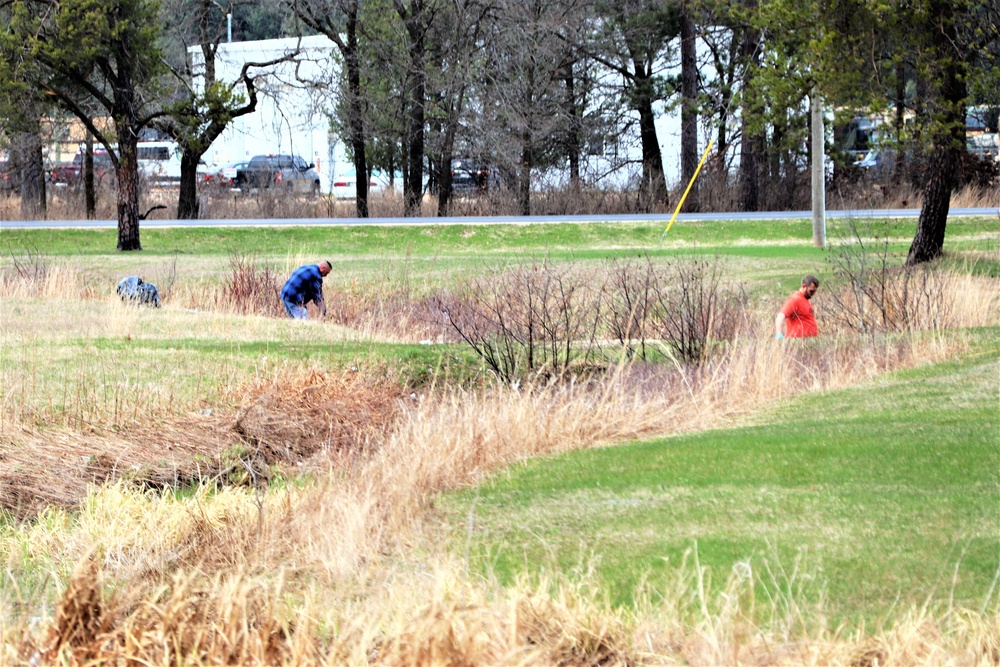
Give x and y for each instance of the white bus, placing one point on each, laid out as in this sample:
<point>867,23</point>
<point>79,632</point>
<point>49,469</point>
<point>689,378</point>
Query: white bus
<point>159,161</point>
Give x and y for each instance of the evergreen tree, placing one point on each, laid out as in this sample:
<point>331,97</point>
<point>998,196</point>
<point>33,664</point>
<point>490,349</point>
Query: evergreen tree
<point>95,58</point>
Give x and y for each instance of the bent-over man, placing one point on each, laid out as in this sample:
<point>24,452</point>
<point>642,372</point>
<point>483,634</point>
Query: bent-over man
<point>305,285</point>
<point>796,319</point>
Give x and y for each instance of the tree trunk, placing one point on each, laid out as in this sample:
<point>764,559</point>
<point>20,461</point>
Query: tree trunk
<point>127,171</point>
<point>187,200</point>
<point>416,91</point>
<point>446,190</point>
<point>357,116</point>
<point>444,170</point>
<point>575,113</point>
<point>689,109</point>
<point>928,243</point>
<point>949,140</point>
<point>749,143</point>
<point>89,196</point>
<point>524,177</point>
<point>415,133</point>
<point>653,185</point>
<point>32,175</point>
<point>444,183</point>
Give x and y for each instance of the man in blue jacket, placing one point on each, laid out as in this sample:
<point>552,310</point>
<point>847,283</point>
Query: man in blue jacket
<point>305,285</point>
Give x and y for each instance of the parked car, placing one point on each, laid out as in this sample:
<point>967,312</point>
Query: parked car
<point>468,176</point>
<point>345,184</point>
<point>71,173</point>
<point>222,176</point>
<point>288,172</point>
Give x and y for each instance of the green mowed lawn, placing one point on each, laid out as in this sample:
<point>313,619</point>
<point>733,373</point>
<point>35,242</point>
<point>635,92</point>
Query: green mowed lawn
<point>559,239</point>
<point>881,497</point>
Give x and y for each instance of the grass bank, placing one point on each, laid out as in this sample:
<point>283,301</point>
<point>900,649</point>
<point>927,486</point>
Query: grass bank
<point>360,241</point>
<point>876,498</point>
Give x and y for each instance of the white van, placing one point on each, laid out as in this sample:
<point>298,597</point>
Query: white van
<point>159,161</point>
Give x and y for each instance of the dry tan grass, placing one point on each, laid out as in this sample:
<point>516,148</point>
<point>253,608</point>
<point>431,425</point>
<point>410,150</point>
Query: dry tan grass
<point>874,195</point>
<point>283,421</point>
<point>438,616</point>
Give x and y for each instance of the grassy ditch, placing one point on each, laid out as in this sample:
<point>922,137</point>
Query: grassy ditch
<point>210,465</point>
<point>877,498</point>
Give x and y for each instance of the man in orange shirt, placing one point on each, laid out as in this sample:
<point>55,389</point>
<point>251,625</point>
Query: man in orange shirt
<point>796,319</point>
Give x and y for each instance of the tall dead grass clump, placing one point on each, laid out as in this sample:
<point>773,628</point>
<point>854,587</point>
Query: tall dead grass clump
<point>438,615</point>
<point>31,275</point>
<point>226,620</point>
<point>251,287</point>
<point>294,416</point>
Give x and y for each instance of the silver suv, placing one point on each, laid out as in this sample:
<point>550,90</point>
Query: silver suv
<point>287,172</point>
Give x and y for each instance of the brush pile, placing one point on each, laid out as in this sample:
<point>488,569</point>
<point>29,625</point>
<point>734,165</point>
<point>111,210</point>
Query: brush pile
<point>306,419</point>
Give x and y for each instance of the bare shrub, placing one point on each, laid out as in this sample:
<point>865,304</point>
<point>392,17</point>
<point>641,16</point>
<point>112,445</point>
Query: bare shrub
<point>29,266</point>
<point>683,307</point>
<point>717,189</point>
<point>629,297</point>
<point>525,320</point>
<point>251,288</point>
<point>536,317</point>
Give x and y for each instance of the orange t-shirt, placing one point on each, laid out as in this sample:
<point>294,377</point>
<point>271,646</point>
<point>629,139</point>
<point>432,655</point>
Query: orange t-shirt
<point>799,319</point>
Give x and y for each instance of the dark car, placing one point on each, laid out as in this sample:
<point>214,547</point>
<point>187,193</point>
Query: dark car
<point>71,173</point>
<point>468,176</point>
<point>285,172</point>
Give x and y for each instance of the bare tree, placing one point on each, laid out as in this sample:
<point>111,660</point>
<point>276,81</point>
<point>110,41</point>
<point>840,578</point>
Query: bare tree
<point>751,141</point>
<point>522,95</point>
<point>340,21</point>
<point>689,104</point>
<point>201,107</point>
<point>634,39</point>
<point>456,41</point>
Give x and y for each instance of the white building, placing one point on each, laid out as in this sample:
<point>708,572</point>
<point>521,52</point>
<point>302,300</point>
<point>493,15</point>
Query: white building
<point>292,115</point>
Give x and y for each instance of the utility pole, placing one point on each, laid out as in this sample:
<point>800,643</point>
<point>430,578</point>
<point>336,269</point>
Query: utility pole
<point>818,172</point>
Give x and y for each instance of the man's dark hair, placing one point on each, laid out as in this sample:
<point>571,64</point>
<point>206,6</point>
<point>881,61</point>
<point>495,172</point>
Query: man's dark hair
<point>810,280</point>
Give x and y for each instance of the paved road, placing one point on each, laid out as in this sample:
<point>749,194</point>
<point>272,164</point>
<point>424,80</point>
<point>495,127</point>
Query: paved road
<point>518,220</point>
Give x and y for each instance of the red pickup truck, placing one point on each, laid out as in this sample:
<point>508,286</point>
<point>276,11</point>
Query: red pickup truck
<point>71,173</point>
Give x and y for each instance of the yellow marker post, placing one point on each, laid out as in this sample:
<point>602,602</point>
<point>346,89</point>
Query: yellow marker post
<point>687,190</point>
